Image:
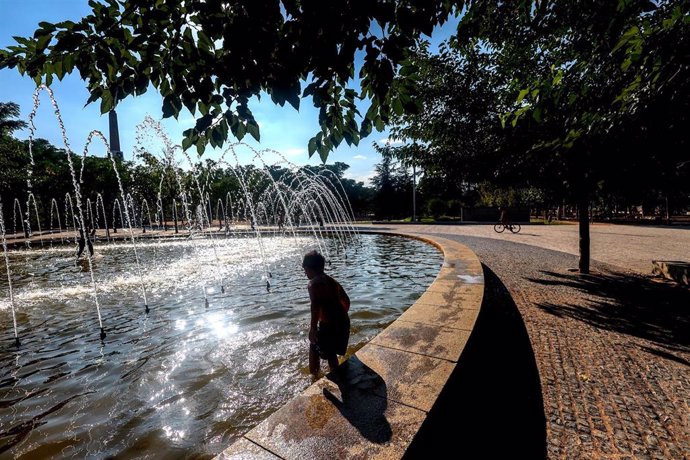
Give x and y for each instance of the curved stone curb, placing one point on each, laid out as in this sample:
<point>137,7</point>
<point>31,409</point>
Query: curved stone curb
<point>373,405</point>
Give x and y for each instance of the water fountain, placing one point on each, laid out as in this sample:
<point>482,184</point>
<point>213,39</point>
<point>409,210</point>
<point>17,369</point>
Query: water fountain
<point>221,340</point>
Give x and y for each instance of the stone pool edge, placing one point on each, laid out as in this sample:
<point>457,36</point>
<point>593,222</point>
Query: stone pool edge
<point>374,404</point>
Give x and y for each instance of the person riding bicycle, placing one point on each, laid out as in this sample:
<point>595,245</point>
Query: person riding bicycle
<point>505,217</point>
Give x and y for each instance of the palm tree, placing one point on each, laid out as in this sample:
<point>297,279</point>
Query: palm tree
<point>9,111</point>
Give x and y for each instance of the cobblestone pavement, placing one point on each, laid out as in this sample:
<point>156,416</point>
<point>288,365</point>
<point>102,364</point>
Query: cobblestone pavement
<point>612,349</point>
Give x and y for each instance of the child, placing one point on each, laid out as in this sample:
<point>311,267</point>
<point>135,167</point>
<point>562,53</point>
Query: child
<point>329,330</point>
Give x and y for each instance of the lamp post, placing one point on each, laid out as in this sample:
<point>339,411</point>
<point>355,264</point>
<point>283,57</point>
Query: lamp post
<point>414,192</point>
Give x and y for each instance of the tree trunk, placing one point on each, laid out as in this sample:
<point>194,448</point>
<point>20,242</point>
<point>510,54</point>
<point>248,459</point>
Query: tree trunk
<point>583,214</point>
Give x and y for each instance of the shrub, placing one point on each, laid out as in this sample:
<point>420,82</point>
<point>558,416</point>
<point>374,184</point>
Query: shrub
<point>454,208</point>
<point>436,207</point>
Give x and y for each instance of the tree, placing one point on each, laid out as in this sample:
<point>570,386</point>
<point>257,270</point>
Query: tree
<point>213,56</point>
<point>13,161</point>
<point>392,187</point>
<point>578,87</point>
<point>456,137</point>
<point>8,111</point>
<point>594,116</point>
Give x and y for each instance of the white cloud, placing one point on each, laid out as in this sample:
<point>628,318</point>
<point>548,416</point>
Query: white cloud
<point>363,177</point>
<point>389,141</point>
<point>359,157</point>
<point>293,152</point>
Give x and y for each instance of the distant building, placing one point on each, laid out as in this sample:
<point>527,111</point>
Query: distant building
<point>115,137</point>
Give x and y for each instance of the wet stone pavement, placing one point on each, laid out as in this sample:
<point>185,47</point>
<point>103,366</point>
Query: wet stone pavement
<point>562,365</point>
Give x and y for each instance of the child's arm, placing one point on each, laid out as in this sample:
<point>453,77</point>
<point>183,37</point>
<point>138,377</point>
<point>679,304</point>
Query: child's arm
<point>344,298</point>
<point>313,297</point>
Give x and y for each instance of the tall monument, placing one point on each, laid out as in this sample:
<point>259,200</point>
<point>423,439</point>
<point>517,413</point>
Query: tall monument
<point>115,137</point>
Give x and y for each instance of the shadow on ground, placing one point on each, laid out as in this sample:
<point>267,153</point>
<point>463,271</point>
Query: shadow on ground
<point>363,399</point>
<point>635,305</point>
<point>492,405</point>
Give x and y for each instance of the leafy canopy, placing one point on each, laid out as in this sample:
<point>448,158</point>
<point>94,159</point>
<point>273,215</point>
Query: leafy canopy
<point>213,56</point>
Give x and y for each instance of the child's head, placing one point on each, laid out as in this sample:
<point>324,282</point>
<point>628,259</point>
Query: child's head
<point>314,261</point>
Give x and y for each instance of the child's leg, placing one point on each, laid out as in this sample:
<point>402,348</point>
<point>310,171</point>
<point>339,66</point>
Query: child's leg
<point>314,361</point>
<point>333,362</point>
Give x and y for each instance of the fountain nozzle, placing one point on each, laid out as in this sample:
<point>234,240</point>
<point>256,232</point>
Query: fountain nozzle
<point>146,309</point>
<point>222,289</point>
<point>17,342</point>
<point>102,333</point>
<point>206,302</point>
<point>268,286</point>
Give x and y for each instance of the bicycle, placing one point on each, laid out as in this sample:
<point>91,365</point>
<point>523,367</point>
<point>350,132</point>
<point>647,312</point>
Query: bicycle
<point>500,228</point>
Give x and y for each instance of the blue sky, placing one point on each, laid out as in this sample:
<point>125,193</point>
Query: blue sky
<point>282,128</point>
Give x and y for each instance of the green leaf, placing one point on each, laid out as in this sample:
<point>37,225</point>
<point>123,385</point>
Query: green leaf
<point>397,106</point>
<point>323,152</point>
<point>106,101</point>
<point>238,129</point>
<point>312,146</point>
<point>536,114</point>
<point>43,42</point>
<point>59,70</point>
<point>203,41</point>
<point>522,94</point>
<point>203,123</point>
<point>168,107</point>
<point>253,129</point>
<point>293,99</point>
<point>217,136</point>
<point>187,142</point>
<point>200,145</point>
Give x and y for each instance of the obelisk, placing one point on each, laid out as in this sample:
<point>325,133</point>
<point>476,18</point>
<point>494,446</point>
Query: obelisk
<point>115,137</point>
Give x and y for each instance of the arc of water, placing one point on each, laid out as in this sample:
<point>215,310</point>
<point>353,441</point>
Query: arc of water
<point>174,213</point>
<point>70,212</point>
<point>125,199</point>
<point>17,205</point>
<point>89,211</point>
<point>99,197</point>
<point>206,205</point>
<point>77,189</point>
<point>170,150</point>
<point>31,198</point>
<point>30,167</point>
<point>325,195</point>
<point>239,174</point>
<point>301,202</point>
<point>343,198</point>
<point>119,208</point>
<point>228,207</point>
<point>220,211</point>
<point>288,208</point>
<point>145,204</point>
<point>54,206</point>
<point>328,202</point>
<point>301,172</point>
<point>9,275</point>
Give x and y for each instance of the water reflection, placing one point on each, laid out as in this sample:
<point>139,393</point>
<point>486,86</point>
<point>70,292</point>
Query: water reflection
<point>184,380</point>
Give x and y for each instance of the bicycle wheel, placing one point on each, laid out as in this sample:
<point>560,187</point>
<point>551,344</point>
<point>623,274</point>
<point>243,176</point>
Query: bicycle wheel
<point>515,228</point>
<point>499,228</point>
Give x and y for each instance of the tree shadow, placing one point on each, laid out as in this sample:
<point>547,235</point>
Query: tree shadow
<point>493,394</point>
<point>362,399</point>
<point>630,304</point>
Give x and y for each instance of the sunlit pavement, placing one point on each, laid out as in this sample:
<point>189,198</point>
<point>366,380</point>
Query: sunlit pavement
<point>626,246</point>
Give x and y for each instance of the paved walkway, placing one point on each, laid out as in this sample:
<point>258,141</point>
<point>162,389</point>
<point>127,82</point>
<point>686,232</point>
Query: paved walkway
<point>627,246</point>
<point>570,366</point>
